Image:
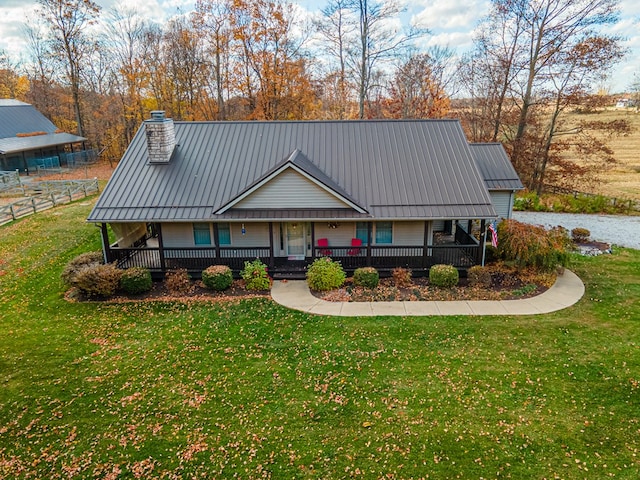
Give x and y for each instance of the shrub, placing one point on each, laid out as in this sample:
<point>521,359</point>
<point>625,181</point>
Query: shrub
<point>479,276</point>
<point>325,274</point>
<point>178,281</point>
<point>445,276</point>
<point>401,277</point>
<point>79,263</point>
<point>98,280</point>
<point>580,235</point>
<point>532,245</point>
<point>217,277</point>
<point>367,277</point>
<point>255,275</point>
<point>136,280</point>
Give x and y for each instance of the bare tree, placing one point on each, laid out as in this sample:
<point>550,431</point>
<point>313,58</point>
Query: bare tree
<point>67,21</point>
<point>337,28</point>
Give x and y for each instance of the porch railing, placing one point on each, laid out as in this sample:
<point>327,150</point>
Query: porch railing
<point>194,259</point>
<point>384,258</point>
<point>389,257</point>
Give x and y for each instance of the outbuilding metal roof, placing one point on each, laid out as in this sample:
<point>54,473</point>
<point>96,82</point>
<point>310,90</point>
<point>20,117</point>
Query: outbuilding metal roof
<point>496,168</point>
<point>394,169</point>
<point>22,127</point>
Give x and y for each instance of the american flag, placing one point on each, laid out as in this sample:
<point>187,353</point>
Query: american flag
<point>494,234</point>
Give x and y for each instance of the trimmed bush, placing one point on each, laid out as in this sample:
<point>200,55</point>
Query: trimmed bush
<point>445,276</point>
<point>255,275</point>
<point>98,280</point>
<point>579,235</point>
<point>533,246</point>
<point>79,263</point>
<point>367,277</point>
<point>479,276</point>
<point>178,281</point>
<point>325,274</point>
<point>401,277</point>
<point>136,280</point>
<point>217,277</point>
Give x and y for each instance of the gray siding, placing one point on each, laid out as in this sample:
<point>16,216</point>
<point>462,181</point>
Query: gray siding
<point>176,235</point>
<point>502,202</point>
<point>290,190</point>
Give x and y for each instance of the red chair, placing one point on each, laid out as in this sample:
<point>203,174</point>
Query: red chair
<point>355,242</point>
<point>323,243</point>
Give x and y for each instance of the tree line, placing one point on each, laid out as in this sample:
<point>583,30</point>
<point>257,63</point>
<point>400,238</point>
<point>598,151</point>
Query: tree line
<point>99,73</point>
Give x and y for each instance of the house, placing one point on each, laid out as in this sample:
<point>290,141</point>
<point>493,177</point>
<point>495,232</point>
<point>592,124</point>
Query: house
<point>498,174</point>
<point>375,192</point>
<point>29,141</point>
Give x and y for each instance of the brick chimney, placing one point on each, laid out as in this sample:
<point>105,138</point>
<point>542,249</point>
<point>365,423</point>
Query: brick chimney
<point>161,137</point>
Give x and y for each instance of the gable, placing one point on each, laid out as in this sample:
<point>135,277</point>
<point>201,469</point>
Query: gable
<point>290,189</point>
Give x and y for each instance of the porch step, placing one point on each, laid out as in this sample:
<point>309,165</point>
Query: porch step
<point>289,276</point>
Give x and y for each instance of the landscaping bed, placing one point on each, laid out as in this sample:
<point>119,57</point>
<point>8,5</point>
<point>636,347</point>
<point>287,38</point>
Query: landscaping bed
<point>160,292</point>
<point>507,283</point>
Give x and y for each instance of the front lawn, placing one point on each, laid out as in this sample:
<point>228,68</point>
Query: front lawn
<point>253,390</point>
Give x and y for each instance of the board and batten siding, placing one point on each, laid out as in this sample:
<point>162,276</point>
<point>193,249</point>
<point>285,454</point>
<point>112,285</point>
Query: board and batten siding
<point>290,190</point>
<point>502,202</point>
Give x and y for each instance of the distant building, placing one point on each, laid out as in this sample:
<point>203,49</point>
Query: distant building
<point>29,141</point>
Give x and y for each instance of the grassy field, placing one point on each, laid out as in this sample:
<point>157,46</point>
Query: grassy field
<point>253,390</point>
<point>623,180</point>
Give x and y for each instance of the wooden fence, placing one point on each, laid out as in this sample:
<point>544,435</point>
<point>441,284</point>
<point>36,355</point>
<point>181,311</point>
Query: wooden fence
<point>622,203</point>
<point>43,195</point>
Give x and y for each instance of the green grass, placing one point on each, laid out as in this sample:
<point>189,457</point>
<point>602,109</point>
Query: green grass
<point>253,390</point>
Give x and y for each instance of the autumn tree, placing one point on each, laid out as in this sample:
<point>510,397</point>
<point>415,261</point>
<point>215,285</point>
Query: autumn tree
<point>12,84</point>
<point>211,19</point>
<point>271,72</point>
<point>418,88</point>
<point>68,21</point>
<point>536,59</point>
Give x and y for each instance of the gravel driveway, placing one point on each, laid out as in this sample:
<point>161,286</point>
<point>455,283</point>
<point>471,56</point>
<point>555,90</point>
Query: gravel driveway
<point>614,229</point>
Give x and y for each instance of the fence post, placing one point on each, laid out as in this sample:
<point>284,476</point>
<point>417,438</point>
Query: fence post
<point>53,199</point>
<point>13,214</point>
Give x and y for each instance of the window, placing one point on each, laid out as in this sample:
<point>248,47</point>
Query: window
<point>362,231</point>
<point>224,234</point>
<point>384,233</point>
<point>201,234</point>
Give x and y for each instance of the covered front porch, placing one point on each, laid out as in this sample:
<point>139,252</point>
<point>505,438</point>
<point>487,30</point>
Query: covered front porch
<point>288,250</point>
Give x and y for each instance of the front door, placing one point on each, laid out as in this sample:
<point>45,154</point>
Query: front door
<point>296,241</point>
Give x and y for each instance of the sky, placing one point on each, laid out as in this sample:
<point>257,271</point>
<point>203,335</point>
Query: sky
<point>451,23</point>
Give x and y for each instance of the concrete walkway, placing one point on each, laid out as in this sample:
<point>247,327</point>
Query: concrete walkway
<point>295,294</point>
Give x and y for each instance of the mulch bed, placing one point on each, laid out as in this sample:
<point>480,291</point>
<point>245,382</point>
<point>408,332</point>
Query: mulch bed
<point>159,292</point>
<point>507,283</point>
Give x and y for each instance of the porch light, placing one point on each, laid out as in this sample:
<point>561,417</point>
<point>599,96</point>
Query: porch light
<point>333,224</point>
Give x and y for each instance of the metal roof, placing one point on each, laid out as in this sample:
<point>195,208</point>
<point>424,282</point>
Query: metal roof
<point>496,168</point>
<point>395,169</point>
<point>20,144</point>
<point>18,119</point>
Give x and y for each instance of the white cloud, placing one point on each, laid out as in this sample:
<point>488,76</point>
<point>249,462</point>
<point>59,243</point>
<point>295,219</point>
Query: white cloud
<point>456,15</point>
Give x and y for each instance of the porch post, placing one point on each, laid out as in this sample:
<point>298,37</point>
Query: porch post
<point>271,259</point>
<point>369,235</point>
<point>216,239</point>
<point>163,265</point>
<point>313,240</point>
<point>106,248</point>
<point>483,243</point>
<point>425,243</point>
